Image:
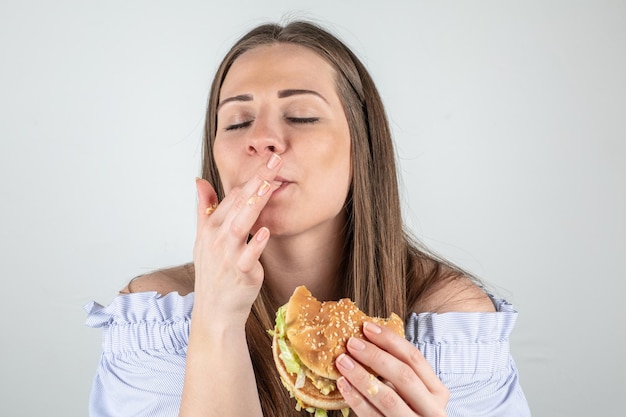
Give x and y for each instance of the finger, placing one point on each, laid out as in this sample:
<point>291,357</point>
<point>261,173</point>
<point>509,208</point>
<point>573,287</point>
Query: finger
<point>238,198</point>
<point>355,400</point>
<point>249,259</point>
<point>207,199</point>
<point>399,376</point>
<point>264,174</point>
<point>246,205</point>
<point>400,348</point>
<point>369,390</point>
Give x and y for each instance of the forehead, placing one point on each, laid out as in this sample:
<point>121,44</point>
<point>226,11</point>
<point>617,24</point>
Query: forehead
<point>280,65</point>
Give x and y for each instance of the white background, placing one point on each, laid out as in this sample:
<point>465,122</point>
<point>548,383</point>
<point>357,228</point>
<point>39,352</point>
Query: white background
<point>510,121</point>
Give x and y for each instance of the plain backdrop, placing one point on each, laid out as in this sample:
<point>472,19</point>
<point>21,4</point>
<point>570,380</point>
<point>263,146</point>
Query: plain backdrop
<point>510,124</point>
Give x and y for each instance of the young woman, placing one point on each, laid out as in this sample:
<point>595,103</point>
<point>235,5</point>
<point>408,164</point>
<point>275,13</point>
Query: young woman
<point>299,187</point>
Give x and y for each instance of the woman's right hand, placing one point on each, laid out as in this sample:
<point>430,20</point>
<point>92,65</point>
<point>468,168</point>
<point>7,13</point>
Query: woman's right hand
<point>228,279</point>
<point>227,267</point>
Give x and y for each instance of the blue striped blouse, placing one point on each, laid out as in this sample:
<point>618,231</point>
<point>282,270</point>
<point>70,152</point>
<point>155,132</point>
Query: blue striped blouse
<point>144,345</point>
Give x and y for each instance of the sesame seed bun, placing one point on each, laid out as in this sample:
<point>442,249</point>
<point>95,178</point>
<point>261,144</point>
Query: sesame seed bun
<point>317,332</point>
<point>308,395</point>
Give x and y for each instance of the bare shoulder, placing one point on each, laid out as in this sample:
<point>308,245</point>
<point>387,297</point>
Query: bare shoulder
<point>178,278</point>
<point>459,294</point>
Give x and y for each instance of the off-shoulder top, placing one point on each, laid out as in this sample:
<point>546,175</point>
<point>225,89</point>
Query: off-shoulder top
<point>144,346</point>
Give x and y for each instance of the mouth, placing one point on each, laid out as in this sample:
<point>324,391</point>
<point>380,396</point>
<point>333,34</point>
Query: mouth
<point>280,183</point>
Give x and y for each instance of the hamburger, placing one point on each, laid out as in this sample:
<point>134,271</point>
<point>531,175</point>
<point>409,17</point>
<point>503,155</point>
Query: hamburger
<point>307,338</point>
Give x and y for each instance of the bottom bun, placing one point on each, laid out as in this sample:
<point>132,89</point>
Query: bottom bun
<point>308,395</point>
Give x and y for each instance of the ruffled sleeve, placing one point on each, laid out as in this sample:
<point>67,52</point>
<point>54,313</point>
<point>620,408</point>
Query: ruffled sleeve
<point>471,355</point>
<point>144,346</point>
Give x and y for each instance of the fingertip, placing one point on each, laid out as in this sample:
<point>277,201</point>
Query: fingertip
<point>371,328</point>
<point>199,185</point>
<point>343,385</point>
<point>262,234</point>
<point>204,188</point>
<point>207,198</point>
<point>273,161</point>
<point>344,362</point>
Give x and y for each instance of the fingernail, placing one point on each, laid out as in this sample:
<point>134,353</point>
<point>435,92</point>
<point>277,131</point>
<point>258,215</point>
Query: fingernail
<point>274,161</point>
<point>372,328</point>
<point>262,234</point>
<point>264,188</point>
<point>345,362</point>
<point>356,344</point>
<point>344,385</point>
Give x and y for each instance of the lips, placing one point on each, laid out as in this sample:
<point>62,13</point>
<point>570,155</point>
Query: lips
<point>280,183</point>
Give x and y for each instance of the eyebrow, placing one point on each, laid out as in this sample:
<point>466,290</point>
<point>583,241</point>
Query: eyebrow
<point>294,92</point>
<point>281,94</point>
<point>241,97</point>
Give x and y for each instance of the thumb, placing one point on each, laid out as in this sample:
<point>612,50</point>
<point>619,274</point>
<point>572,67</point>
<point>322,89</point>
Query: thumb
<point>207,199</point>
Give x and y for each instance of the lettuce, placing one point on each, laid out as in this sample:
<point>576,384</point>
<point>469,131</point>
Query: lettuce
<point>280,322</point>
<point>320,413</point>
<point>289,358</point>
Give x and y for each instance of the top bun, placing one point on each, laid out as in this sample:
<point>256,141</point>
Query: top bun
<point>318,331</point>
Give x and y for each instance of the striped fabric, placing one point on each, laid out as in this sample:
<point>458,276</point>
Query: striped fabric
<point>144,345</point>
<point>470,353</point>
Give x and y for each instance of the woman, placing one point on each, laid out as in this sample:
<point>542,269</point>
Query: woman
<point>299,187</point>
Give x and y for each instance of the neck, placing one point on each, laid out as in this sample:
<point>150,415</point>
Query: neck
<point>290,261</point>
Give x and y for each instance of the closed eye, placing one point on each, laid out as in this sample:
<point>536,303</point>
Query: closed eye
<point>238,125</point>
<point>303,120</point>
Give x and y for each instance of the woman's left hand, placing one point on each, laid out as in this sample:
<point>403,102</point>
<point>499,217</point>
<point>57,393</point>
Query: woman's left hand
<point>409,386</point>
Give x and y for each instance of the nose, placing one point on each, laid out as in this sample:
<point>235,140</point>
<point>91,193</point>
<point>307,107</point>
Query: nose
<point>265,137</point>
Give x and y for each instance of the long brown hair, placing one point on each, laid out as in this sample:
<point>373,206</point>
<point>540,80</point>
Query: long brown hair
<point>382,270</point>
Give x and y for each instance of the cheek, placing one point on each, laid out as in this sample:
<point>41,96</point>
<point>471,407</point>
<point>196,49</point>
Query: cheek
<point>339,159</point>
<point>336,163</point>
<point>223,164</point>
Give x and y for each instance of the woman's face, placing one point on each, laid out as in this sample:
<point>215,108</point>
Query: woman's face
<point>282,98</point>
